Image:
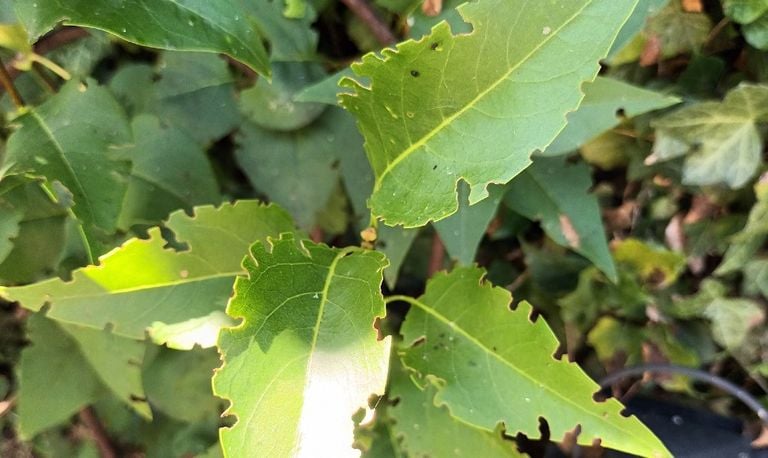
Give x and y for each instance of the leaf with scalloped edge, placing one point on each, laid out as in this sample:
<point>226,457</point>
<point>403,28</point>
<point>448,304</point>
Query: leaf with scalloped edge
<point>143,284</point>
<point>492,365</point>
<point>306,357</point>
<point>474,106</point>
<point>192,25</point>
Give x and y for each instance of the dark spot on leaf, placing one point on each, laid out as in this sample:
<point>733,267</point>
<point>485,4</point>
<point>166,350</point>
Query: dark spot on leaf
<point>415,73</point>
<point>135,398</point>
<point>442,335</point>
<point>494,349</point>
<point>434,46</point>
<point>434,167</point>
<point>335,164</point>
<point>382,243</point>
<point>621,113</point>
<point>420,341</point>
<point>472,364</point>
<point>134,362</point>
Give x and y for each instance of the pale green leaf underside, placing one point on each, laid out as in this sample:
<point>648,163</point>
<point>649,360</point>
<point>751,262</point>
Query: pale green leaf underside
<point>493,365</point>
<point>721,139</point>
<point>185,25</point>
<point>475,106</point>
<point>306,356</point>
<point>143,284</point>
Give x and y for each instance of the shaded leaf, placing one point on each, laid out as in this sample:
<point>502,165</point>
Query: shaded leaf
<point>756,278</point>
<point>194,25</point>
<point>426,128</point>
<point>558,195</point>
<point>745,11</point>
<point>505,372</point>
<point>732,319</point>
<point>291,39</point>
<point>462,232</point>
<point>271,105</point>
<point>306,348</point>
<point>71,136</point>
<point>677,30</point>
<point>165,162</point>
<point>143,283</point>
<point>721,139</point>
<point>606,102</point>
<point>652,264</point>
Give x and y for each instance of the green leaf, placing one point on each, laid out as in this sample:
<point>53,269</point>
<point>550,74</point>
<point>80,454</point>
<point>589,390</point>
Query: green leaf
<point>756,278</point>
<point>677,30</point>
<point>634,25</point>
<point>307,348</point>
<point>178,383</point>
<point>291,39</point>
<point>652,264</point>
<point>745,244</point>
<point>11,217</point>
<point>721,139</point>
<point>606,102</point>
<point>86,365</point>
<point>192,25</point>
<point>428,430</point>
<point>423,23</point>
<point>448,108</point>
<point>462,232</point>
<point>271,105</point>
<point>745,11</point>
<point>505,372</point>
<point>143,283</point>
<point>165,162</point>
<point>732,319</point>
<point>71,137</point>
<point>557,194</point>
<point>756,33</point>
<point>297,169</point>
<point>325,91</point>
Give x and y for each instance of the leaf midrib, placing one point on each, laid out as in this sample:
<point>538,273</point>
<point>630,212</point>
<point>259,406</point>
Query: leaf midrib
<point>431,311</point>
<point>450,119</point>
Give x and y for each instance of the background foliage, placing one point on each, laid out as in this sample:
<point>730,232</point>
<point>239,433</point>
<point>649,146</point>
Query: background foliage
<point>377,248</point>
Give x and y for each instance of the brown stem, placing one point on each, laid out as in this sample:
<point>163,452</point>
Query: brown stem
<point>7,83</point>
<point>365,13</point>
<point>437,257</point>
<point>91,421</point>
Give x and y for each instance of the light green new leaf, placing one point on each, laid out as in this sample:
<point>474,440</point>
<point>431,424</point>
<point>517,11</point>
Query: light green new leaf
<point>722,138</point>
<point>297,169</point>
<point>492,365</point>
<point>606,102</point>
<point>191,25</point>
<point>745,244</point>
<point>462,232</point>
<point>143,284</point>
<point>67,368</point>
<point>165,162</point>
<point>732,318</point>
<point>306,356</point>
<point>427,430</point>
<point>69,141</point>
<point>557,194</point>
<point>475,106</point>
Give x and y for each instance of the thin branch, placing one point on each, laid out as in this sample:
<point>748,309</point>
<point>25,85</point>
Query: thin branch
<point>437,257</point>
<point>91,421</point>
<point>378,28</point>
<point>7,82</point>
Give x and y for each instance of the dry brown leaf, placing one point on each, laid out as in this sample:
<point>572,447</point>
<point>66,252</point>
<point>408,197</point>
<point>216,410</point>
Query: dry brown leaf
<point>693,6</point>
<point>674,234</point>
<point>566,226</point>
<point>432,7</point>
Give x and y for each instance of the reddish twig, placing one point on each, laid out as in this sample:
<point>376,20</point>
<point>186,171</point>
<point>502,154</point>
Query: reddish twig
<point>91,421</point>
<point>437,257</point>
<point>365,13</point>
<point>7,82</point>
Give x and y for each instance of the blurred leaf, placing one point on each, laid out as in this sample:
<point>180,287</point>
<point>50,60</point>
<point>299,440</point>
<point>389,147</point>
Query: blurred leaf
<point>426,128</point>
<point>423,24</point>
<point>462,232</point>
<point>746,242</point>
<point>721,138</point>
<point>144,283</point>
<point>291,39</point>
<point>732,319</point>
<point>557,194</point>
<point>195,25</point>
<point>745,11</point>
<point>756,33</point>
<point>71,137</point>
<point>271,105</point>
<point>297,169</point>
<point>606,101</point>
<point>677,30</point>
<point>634,26</point>
<point>289,353</point>
<point>756,278</point>
<point>608,151</point>
<point>165,162</point>
<point>14,37</point>
<point>326,91</point>
<point>462,357</point>
<point>611,336</point>
<point>656,265</point>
